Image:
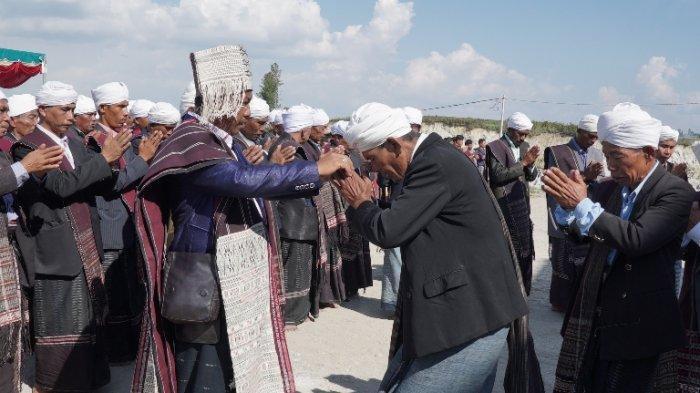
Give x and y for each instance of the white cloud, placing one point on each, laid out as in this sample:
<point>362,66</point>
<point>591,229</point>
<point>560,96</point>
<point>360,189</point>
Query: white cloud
<point>610,96</point>
<point>656,77</point>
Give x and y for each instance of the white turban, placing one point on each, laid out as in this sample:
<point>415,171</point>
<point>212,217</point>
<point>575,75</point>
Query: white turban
<point>163,113</point>
<point>140,108</point>
<point>187,98</point>
<point>627,125</point>
<point>21,104</point>
<point>110,93</point>
<point>414,115</point>
<point>2,95</point>
<point>259,109</point>
<point>373,123</point>
<point>54,93</point>
<point>84,105</point>
<point>340,127</point>
<point>276,116</point>
<point>298,117</point>
<point>589,123</point>
<point>320,117</point>
<point>519,122</point>
<point>666,133</point>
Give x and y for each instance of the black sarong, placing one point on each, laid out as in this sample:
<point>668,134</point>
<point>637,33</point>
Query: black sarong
<point>567,257</point>
<point>297,258</point>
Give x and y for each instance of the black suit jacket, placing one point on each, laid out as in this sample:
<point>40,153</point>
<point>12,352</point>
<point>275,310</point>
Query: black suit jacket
<point>49,247</point>
<point>639,313</point>
<point>458,280</point>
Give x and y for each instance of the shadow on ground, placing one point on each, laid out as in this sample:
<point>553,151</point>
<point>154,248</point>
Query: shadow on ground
<point>367,306</point>
<point>352,383</point>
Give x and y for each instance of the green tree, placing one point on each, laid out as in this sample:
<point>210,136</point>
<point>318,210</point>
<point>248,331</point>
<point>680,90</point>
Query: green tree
<point>269,88</point>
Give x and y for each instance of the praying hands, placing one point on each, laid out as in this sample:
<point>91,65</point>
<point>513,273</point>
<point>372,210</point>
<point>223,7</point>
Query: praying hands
<point>568,191</point>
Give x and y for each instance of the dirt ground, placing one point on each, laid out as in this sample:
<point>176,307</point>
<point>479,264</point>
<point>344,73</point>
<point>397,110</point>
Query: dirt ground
<point>346,349</point>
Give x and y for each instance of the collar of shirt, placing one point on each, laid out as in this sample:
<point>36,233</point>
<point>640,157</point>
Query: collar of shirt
<point>628,196</point>
<point>61,141</point>
<point>245,140</point>
<point>577,147</point>
<point>108,129</point>
<point>513,148</point>
<point>421,138</point>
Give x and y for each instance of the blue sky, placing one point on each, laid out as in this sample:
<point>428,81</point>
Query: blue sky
<point>340,54</point>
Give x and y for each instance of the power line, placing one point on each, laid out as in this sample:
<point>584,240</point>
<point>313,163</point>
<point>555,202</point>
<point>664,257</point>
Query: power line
<point>499,99</point>
<point>464,103</point>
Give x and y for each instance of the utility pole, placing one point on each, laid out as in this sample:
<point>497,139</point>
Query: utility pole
<point>503,111</point>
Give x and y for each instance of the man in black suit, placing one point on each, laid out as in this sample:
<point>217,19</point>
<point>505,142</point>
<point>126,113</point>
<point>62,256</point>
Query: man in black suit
<point>60,220</point>
<point>456,301</point>
<point>625,319</point>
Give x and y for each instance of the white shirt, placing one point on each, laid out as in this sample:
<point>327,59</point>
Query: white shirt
<point>245,140</point>
<point>421,138</point>
<point>60,141</point>
<point>513,148</point>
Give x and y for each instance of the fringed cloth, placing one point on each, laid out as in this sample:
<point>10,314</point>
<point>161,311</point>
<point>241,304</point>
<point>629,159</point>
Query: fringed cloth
<point>191,147</point>
<point>333,229</point>
<point>516,212</point>
<point>574,368</point>
<point>69,314</point>
<point>523,368</point>
<point>10,315</point>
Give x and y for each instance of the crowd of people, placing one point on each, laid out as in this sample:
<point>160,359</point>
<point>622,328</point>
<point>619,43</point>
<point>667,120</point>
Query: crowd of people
<point>187,242</point>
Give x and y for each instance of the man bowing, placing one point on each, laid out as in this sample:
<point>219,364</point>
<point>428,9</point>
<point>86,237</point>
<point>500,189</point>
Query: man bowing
<point>455,302</point>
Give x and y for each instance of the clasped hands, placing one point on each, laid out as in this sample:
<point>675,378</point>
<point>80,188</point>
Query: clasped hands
<point>568,191</point>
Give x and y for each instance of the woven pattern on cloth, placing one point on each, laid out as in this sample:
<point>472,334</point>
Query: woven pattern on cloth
<point>10,311</point>
<point>221,75</point>
<point>243,266</point>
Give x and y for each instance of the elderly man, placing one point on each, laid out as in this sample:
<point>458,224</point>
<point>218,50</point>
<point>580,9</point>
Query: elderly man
<point>625,317</point>
<point>162,119</point>
<point>23,116</point>
<point>187,99</point>
<point>511,165</point>
<point>85,115</point>
<point>139,114</point>
<point>667,145</point>
<point>64,267</point>
<point>12,176</point>
<point>454,312</point>
<point>253,130</point>
<point>277,120</point>
<point>210,192</point>
<point>567,254</point>
<point>116,209</point>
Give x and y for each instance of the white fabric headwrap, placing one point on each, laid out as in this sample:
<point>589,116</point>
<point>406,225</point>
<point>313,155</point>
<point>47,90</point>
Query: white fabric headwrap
<point>627,125</point>
<point>21,104</point>
<point>414,115</point>
<point>276,116</point>
<point>140,108</point>
<point>666,133</point>
<point>54,93</point>
<point>320,117</point>
<point>589,123</point>
<point>520,122</point>
<point>110,93</point>
<point>187,98</point>
<point>2,95</point>
<point>163,113</point>
<point>84,105</point>
<point>340,127</point>
<point>297,118</point>
<point>259,109</point>
<point>373,123</point>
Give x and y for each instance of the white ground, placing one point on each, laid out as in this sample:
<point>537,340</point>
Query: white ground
<point>346,349</point>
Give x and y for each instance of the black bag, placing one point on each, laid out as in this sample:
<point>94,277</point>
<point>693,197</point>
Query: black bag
<point>298,221</point>
<point>190,288</point>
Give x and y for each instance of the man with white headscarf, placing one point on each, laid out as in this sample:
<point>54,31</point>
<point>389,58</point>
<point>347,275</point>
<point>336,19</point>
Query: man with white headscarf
<point>414,117</point>
<point>510,163</point>
<point>667,145</point>
<point>85,115</point>
<point>566,254</point>
<point>62,250</point>
<point>139,114</point>
<point>116,219</point>
<point>162,119</point>
<point>13,274</point>
<point>24,116</point>
<point>253,130</point>
<point>203,181</point>
<point>625,318</point>
<point>453,312</point>
<point>277,121</point>
<point>318,131</point>
<point>187,99</point>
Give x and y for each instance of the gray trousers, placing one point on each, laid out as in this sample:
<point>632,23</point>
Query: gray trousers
<point>391,278</point>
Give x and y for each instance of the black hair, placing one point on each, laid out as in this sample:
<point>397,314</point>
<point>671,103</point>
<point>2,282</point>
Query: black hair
<point>468,142</point>
<point>482,140</point>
